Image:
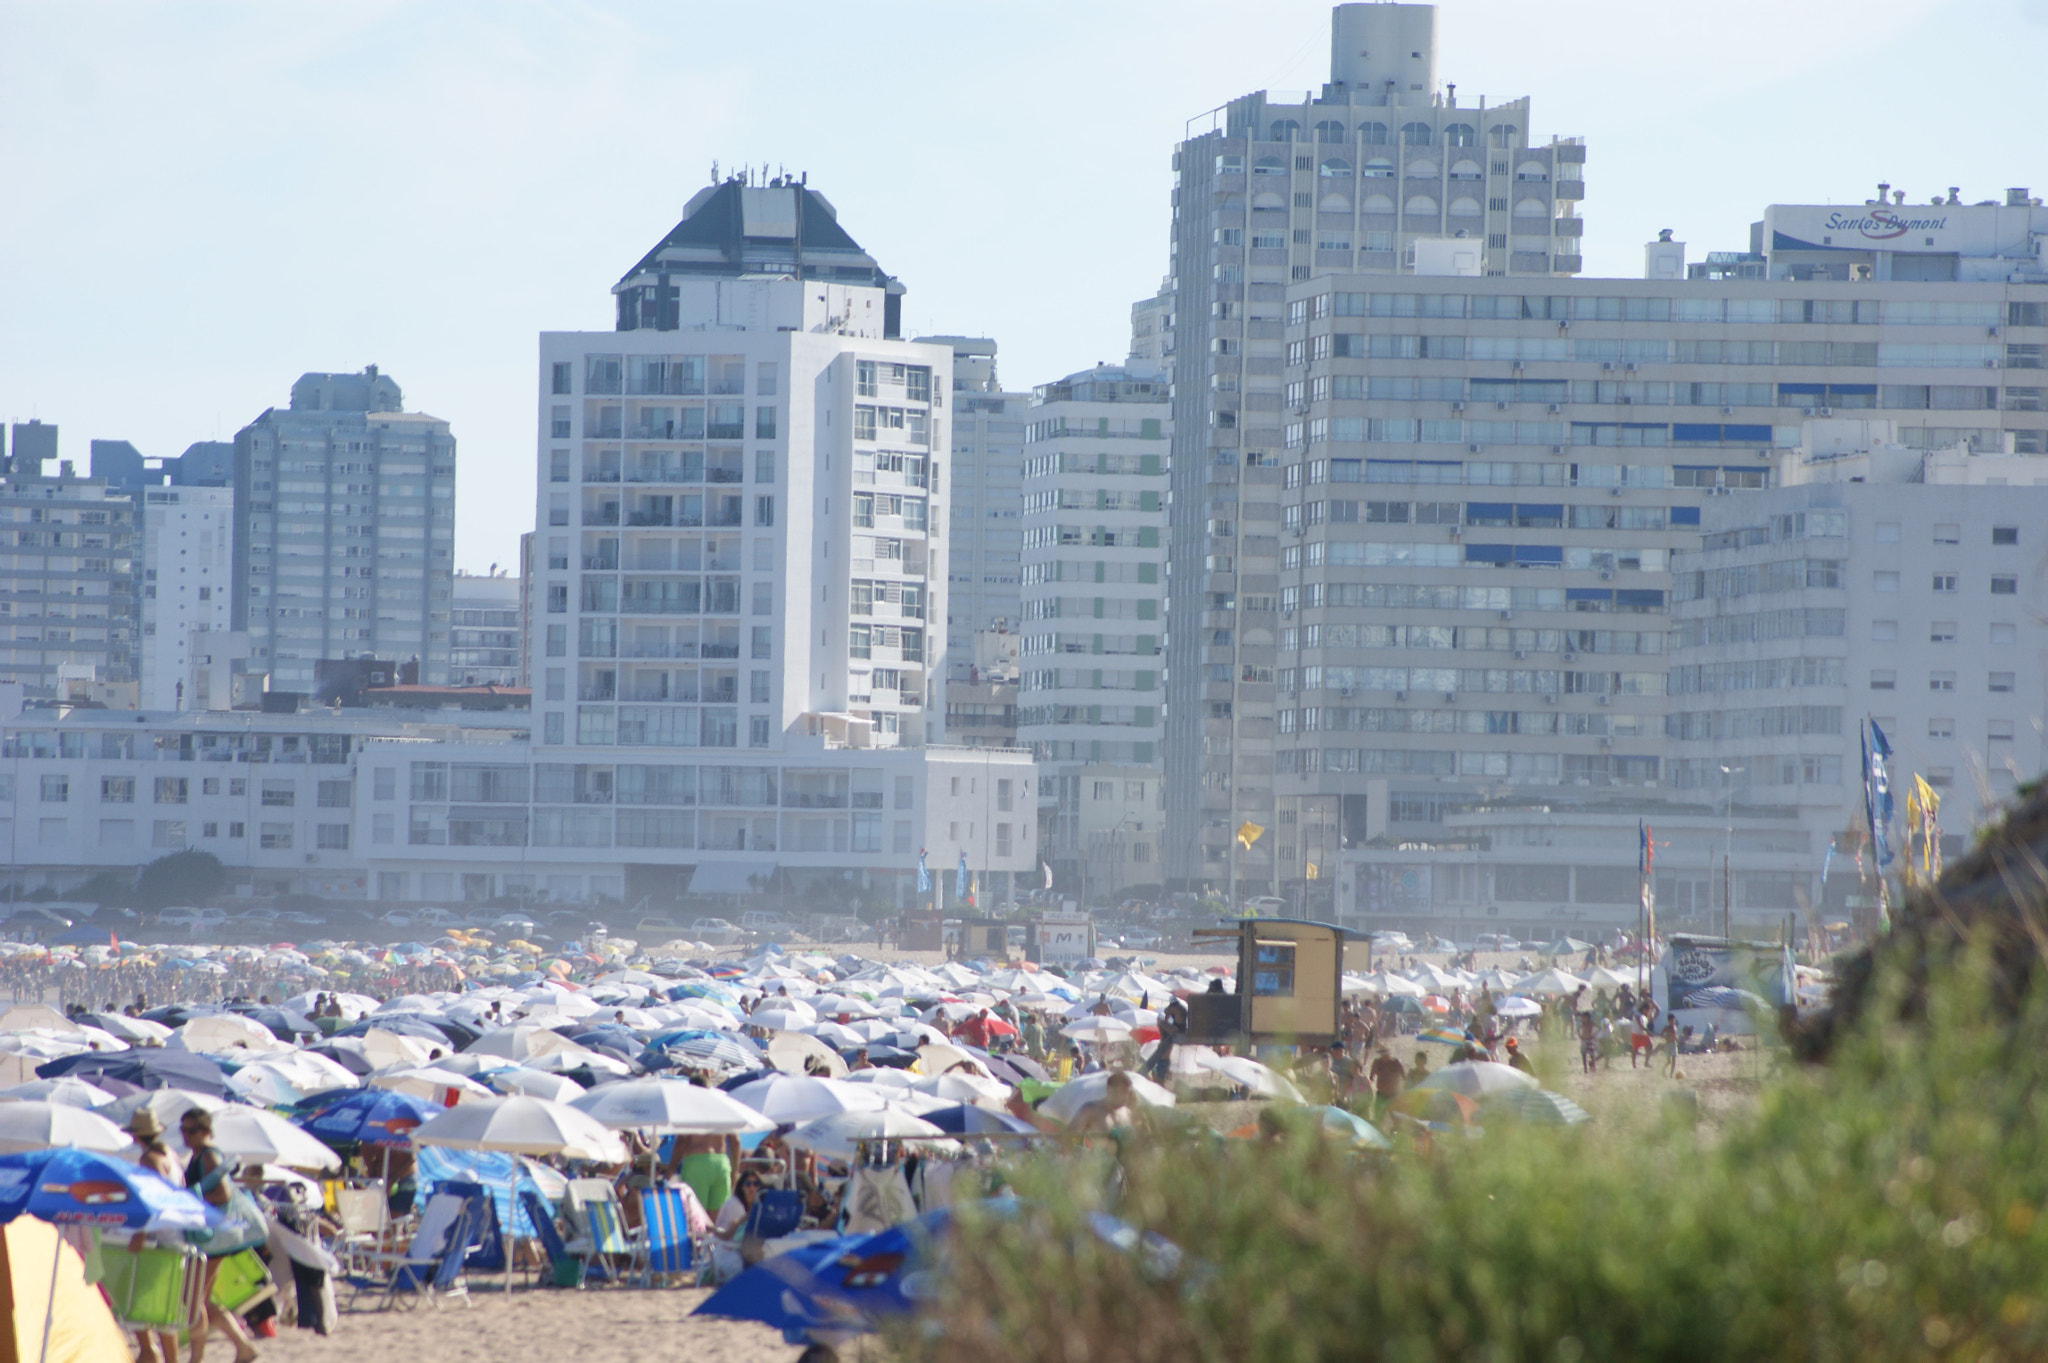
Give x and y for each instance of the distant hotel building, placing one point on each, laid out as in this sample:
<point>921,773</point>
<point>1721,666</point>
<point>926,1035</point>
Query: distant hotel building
<point>486,648</point>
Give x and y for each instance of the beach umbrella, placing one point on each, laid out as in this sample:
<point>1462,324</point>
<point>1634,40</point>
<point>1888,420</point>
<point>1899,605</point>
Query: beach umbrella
<point>277,1081</point>
<point>1442,1036</point>
<point>151,1068</point>
<point>1435,1003</point>
<point>251,1133</point>
<point>1354,1128</point>
<point>225,1034</point>
<point>69,1186</point>
<point>35,1017</point>
<point>700,1048</point>
<point>796,1098</point>
<point>799,1053</point>
<point>127,1028</point>
<point>558,1088</point>
<point>369,1117</point>
<point>1260,1079</point>
<point>883,1077</point>
<point>67,1090</point>
<point>434,1085</point>
<point>782,1019</point>
<point>1477,1078</point>
<point>1515,1006</point>
<point>522,1042</point>
<point>169,1105</point>
<point>1600,977</point>
<point>1551,981</point>
<point>962,1087</point>
<point>670,1105</point>
<point>1565,946</point>
<point>840,1135</point>
<point>1434,979</point>
<point>1534,1105</point>
<point>1097,1030</point>
<point>34,1125</point>
<point>1389,985</point>
<point>967,1119</point>
<point>523,1126</point>
<point>1075,1094</point>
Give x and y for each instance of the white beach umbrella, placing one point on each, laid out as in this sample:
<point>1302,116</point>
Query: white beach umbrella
<point>1075,1094</point>
<point>429,1082</point>
<point>557,1088</point>
<point>251,1133</point>
<point>670,1105</point>
<point>66,1090</point>
<point>793,1098</point>
<point>1260,1079</point>
<point>1097,1030</point>
<point>839,1136</point>
<point>522,1126</point>
<point>1477,1078</point>
<point>962,1087</point>
<point>521,1042</point>
<point>33,1125</point>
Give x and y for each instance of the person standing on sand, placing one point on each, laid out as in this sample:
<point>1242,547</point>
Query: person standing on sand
<point>1419,1071</point>
<point>1589,1044</point>
<point>1386,1075</point>
<point>1670,1038</point>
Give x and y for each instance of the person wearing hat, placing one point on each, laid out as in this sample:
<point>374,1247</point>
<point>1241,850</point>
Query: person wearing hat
<point>1516,1058</point>
<point>156,1346</point>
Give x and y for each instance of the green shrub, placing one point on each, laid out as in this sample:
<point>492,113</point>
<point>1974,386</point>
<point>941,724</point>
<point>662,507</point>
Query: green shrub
<point>1888,1206</point>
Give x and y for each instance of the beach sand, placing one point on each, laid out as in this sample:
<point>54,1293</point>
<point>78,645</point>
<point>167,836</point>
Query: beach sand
<point>613,1325</point>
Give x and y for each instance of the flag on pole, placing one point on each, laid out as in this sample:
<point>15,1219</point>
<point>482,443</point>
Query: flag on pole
<point>1045,867</point>
<point>924,876</point>
<point>1877,795</point>
<point>960,877</point>
<point>1249,833</point>
<point>1930,825</point>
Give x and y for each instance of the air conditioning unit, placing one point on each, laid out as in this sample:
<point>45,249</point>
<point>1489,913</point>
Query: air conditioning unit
<point>1607,574</point>
<point>1628,401</point>
<point>1991,331</point>
<point>1499,406</point>
<point>1606,742</point>
<point>1607,366</point>
<point>1400,695</point>
<point>1516,367</point>
<point>1727,411</point>
<point>1555,409</point>
<point>1564,326</point>
<point>1450,696</point>
<point>1551,699</point>
<point>1457,406</point>
<point>1521,654</point>
<point>1557,449</point>
<point>1507,615</point>
<point>1571,657</point>
<point>1824,411</point>
<point>1345,692</point>
<point>1473,448</point>
<point>1991,364</point>
<point>1603,700</point>
<point>1630,368</point>
<point>1614,492</point>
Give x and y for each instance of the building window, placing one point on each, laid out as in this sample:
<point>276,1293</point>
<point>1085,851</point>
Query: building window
<point>1948,534</point>
<point>763,642</point>
<point>333,795</point>
<point>384,783</point>
<point>1941,728</point>
<point>764,423</point>
<point>2005,633</point>
<point>1942,632</point>
<point>280,794</point>
<point>238,830</point>
<point>2001,681</point>
<point>168,833</point>
<point>331,837</point>
<point>117,790</point>
<point>172,790</point>
<point>2005,534</point>
<point>1944,582</point>
<point>56,790</point>
<point>382,829</point>
<point>562,377</point>
<point>551,728</point>
<point>1002,840</point>
<point>1884,680</point>
<point>1941,681</point>
<point>1885,582</point>
<point>2004,584</point>
<point>757,731</point>
<point>275,837</point>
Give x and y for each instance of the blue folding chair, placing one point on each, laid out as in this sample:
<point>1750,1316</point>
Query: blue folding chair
<point>432,1265</point>
<point>669,1248</point>
<point>566,1268</point>
<point>776,1212</point>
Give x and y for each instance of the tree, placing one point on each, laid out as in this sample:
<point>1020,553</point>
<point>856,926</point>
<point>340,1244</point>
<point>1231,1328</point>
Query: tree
<point>105,888</point>
<point>188,877</point>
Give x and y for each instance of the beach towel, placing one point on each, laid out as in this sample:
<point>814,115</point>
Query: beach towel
<point>877,1199</point>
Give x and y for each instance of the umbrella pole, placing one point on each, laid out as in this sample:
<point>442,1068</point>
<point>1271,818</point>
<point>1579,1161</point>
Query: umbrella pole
<point>50,1306</point>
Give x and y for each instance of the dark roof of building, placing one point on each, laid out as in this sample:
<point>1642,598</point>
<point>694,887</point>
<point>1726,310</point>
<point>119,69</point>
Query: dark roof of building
<point>734,228</point>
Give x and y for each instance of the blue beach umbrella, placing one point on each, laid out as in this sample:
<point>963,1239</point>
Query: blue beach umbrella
<point>69,1186</point>
<point>369,1117</point>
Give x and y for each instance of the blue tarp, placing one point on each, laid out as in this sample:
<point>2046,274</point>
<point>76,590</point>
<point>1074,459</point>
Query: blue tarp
<point>493,1169</point>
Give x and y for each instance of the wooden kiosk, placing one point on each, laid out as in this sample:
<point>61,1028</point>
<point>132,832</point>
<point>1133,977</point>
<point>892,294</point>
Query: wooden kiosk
<point>1289,986</point>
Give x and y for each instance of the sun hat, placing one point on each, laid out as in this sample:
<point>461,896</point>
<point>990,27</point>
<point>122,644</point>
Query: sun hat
<point>144,1125</point>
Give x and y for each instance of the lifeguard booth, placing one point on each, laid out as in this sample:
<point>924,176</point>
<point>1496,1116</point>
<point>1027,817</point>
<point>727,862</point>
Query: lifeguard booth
<point>1289,986</point>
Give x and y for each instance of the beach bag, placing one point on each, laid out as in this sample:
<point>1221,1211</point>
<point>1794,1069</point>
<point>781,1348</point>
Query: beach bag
<point>242,1222</point>
<point>150,1288</point>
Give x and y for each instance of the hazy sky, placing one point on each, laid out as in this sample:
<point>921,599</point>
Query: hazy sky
<point>200,201</point>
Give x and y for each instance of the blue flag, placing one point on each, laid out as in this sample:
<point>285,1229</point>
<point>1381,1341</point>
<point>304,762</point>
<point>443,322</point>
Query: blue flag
<point>1877,794</point>
<point>924,876</point>
<point>960,877</point>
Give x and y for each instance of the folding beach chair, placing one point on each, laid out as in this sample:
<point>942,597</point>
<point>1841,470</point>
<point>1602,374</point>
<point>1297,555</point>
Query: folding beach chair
<point>598,1228</point>
<point>669,1247</point>
<point>152,1288</point>
<point>364,1215</point>
<point>566,1268</point>
<point>432,1265</point>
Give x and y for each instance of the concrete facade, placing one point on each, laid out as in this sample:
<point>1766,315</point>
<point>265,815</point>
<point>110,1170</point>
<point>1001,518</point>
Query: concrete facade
<point>187,571</point>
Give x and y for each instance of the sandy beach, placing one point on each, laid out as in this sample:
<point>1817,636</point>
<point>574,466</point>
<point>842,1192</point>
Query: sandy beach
<point>615,1325</point>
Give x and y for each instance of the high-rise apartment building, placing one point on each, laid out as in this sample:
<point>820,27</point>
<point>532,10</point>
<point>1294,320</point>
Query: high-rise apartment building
<point>1369,175</point>
<point>985,533</point>
<point>1483,486</point>
<point>67,580</point>
<point>344,530</point>
<point>1091,667</point>
<point>486,647</point>
<point>187,571</point>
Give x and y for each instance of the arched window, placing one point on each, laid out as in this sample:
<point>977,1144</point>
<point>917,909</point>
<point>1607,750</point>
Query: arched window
<point>1465,207</point>
<point>1379,168</point>
<point>1270,165</point>
<point>1531,208</point>
<point>1373,134</point>
<point>1329,132</point>
<point>1460,135</point>
<point>1335,203</point>
<point>1336,168</point>
<point>1503,134</point>
<point>1415,134</point>
<point>1421,170</point>
<point>1284,130</point>
<point>1532,170</point>
<point>1377,203</point>
<point>1268,201</point>
<point>1421,206</point>
<point>1465,170</point>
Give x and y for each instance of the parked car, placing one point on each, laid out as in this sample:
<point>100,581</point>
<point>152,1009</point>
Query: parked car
<point>766,923</point>
<point>518,925</point>
<point>717,931</point>
<point>1265,906</point>
<point>193,921</point>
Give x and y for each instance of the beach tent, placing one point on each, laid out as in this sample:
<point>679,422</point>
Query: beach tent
<point>43,1288</point>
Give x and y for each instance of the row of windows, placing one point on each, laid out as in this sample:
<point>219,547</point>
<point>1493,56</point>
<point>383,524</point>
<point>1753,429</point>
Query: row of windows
<point>1544,768</point>
<point>1496,639</point>
<point>1704,308</point>
<point>1946,583</point>
<point>1629,351</point>
<point>1374,133</point>
<point>178,790</point>
<point>1525,723</point>
<point>1536,681</point>
<point>176,834</point>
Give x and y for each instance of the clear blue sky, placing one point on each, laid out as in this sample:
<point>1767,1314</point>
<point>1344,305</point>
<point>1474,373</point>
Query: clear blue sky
<point>200,201</point>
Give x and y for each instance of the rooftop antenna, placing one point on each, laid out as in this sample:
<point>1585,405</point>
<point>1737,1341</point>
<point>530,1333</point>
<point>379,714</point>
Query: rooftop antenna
<point>714,170</point>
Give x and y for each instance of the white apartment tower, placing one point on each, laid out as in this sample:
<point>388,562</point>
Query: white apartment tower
<point>187,562</point>
<point>1091,668</point>
<point>344,530</point>
<point>1269,193</point>
<point>986,535</point>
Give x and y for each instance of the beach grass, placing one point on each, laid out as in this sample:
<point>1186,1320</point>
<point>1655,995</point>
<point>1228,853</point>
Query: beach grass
<point>1893,1204</point>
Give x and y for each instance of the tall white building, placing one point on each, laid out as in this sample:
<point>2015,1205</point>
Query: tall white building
<point>187,571</point>
<point>982,554</point>
<point>1091,668</point>
<point>1270,192</point>
<point>344,530</point>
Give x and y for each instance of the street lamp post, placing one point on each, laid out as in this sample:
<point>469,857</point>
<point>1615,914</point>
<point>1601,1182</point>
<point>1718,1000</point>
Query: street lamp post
<point>1728,775</point>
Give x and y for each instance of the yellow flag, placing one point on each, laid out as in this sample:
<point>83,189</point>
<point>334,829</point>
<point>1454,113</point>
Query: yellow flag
<point>1249,833</point>
<point>1912,828</point>
<point>1311,870</point>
